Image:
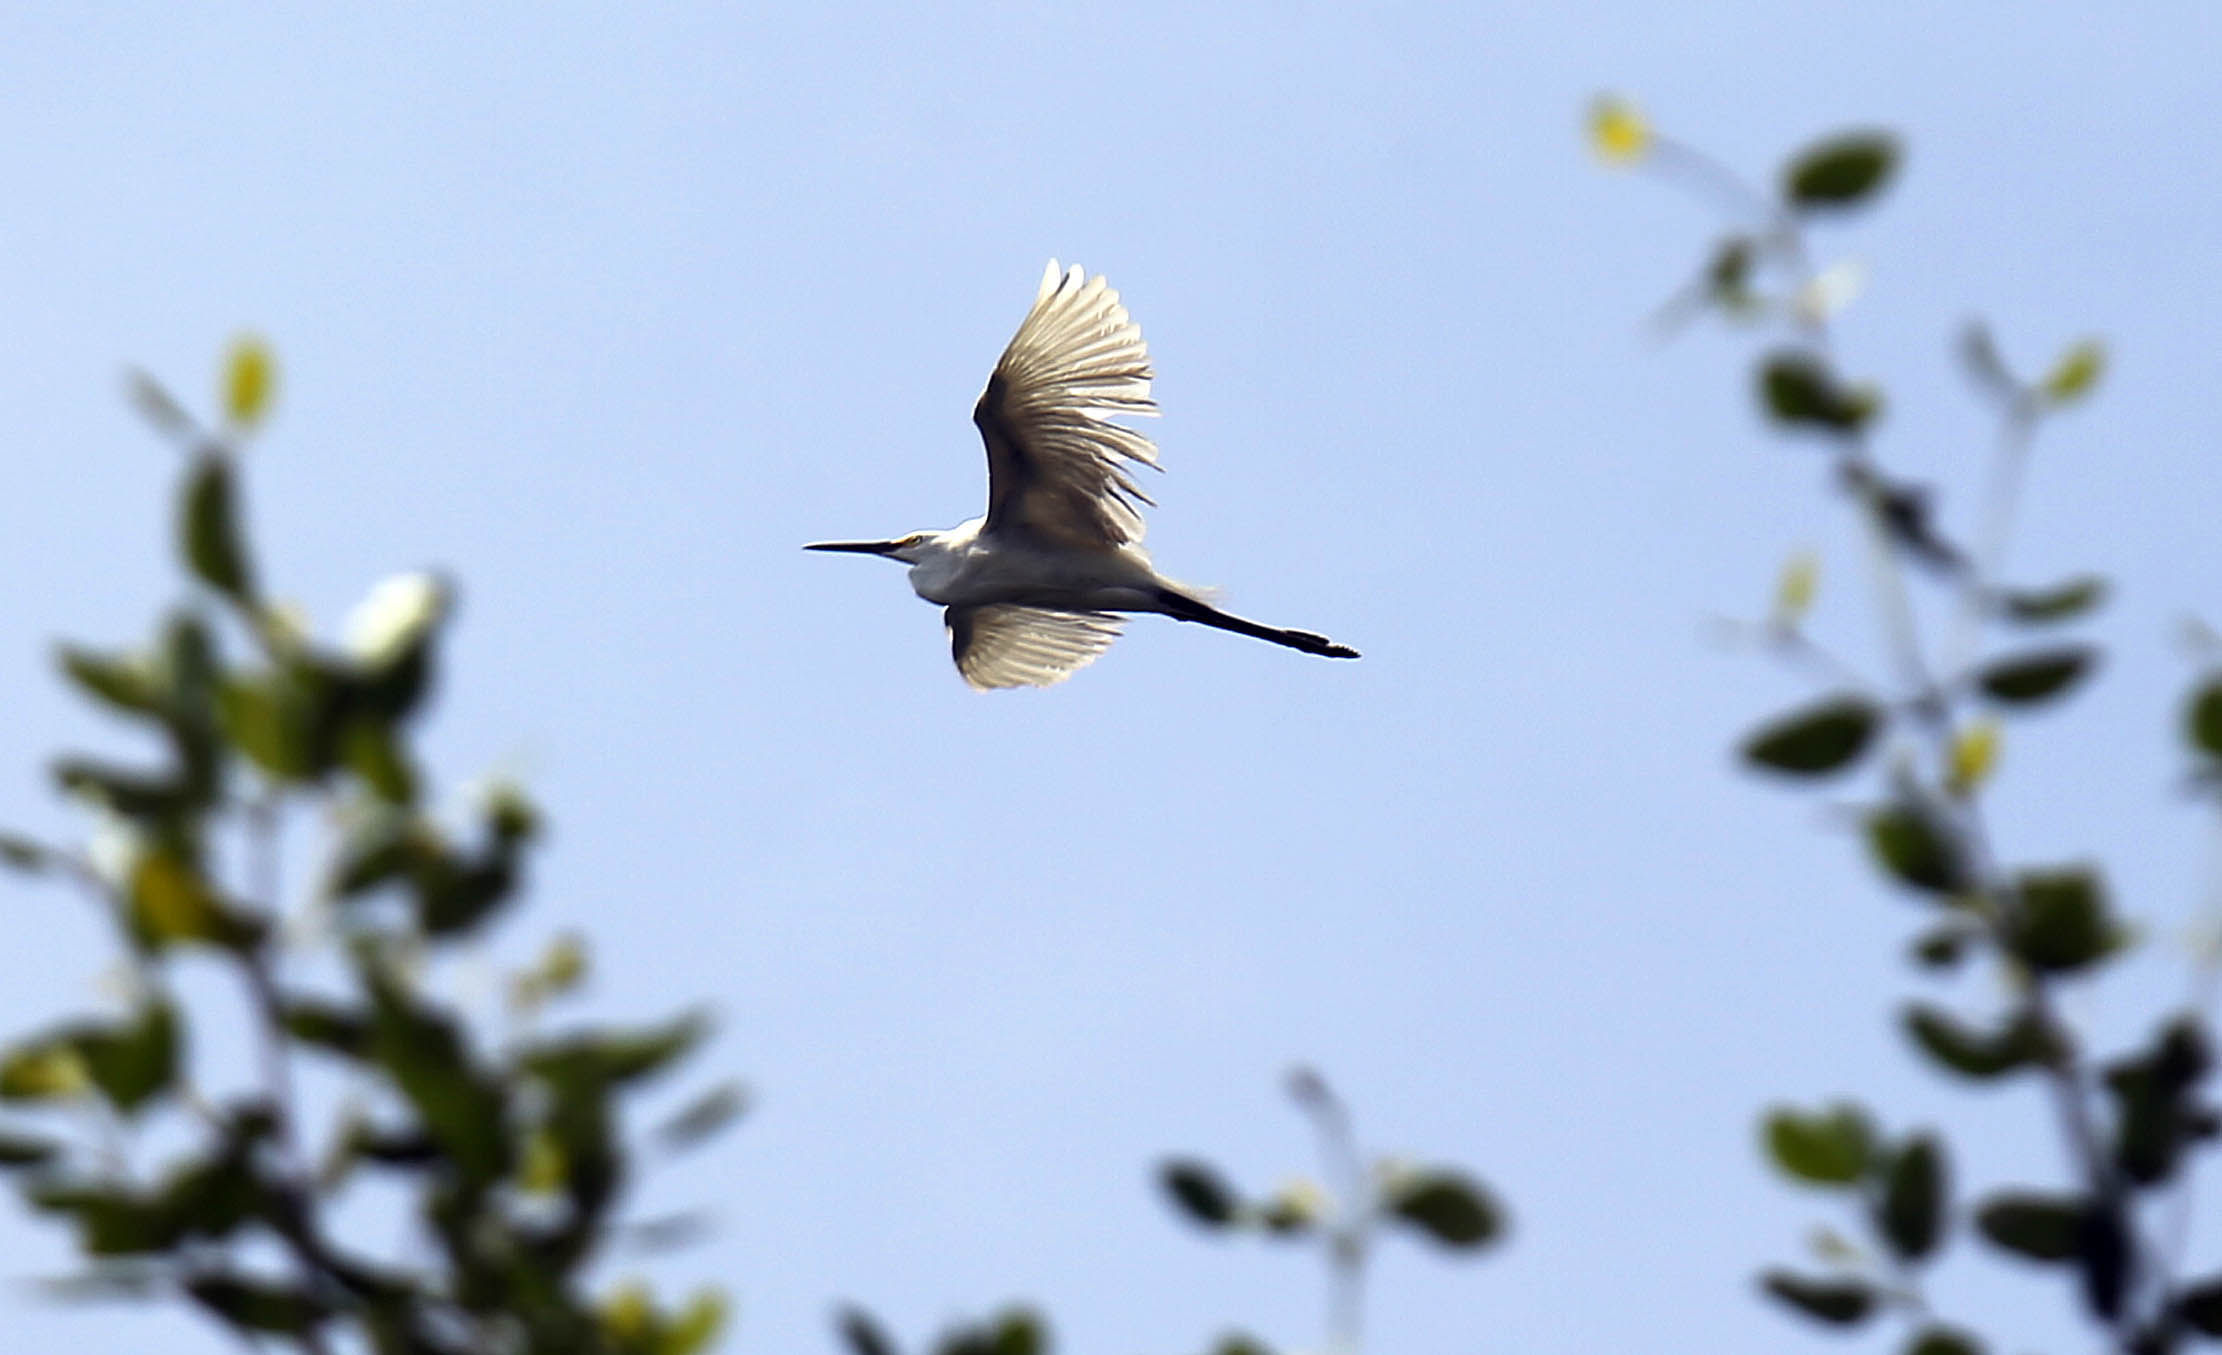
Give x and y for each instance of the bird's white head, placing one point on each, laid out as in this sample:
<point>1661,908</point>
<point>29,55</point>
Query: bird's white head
<point>908,549</point>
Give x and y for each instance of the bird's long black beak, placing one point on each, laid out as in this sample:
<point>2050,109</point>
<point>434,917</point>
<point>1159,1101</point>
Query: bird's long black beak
<point>857,547</point>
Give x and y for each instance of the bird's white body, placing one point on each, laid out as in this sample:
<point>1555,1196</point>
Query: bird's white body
<point>1032,588</point>
<point>963,567</point>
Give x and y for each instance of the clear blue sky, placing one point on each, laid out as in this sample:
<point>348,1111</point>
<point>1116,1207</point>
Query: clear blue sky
<point>608,310</point>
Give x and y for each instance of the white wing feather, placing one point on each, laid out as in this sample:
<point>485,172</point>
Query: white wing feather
<point>1006,646</point>
<point>1057,465</point>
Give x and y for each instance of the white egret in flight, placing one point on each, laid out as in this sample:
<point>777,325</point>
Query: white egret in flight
<point>1033,587</point>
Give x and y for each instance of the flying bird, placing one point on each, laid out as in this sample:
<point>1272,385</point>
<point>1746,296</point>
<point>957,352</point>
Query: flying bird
<point>1034,588</point>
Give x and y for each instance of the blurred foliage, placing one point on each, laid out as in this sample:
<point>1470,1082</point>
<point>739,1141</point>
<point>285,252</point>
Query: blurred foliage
<point>2130,1122</point>
<point>509,1150</point>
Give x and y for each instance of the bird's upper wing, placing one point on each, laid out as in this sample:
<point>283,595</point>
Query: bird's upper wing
<point>1056,464</point>
<point>1007,646</point>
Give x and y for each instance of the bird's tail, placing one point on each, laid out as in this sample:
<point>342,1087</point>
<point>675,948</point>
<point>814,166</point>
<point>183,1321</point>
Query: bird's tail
<point>1183,605</point>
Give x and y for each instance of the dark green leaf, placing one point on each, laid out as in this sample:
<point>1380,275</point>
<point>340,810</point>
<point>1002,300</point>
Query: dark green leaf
<point>2061,602</point>
<point>862,1333</point>
<point>126,684</point>
<point>2200,1306</point>
<point>2020,1043</point>
<point>131,1064</point>
<point>704,1116</point>
<point>1840,1303</point>
<point>424,1054</point>
<point>1944,1341</point>
<point>1454,1210</point>
<point>2156,1117</point>
<point>21,1150</point>
<point>210,528</point>
<point>1830,1148</point>
<point>23,853</point>
<point>1241,1343</point>
<point>280,720</point>
<point>2063,923</point>
<point>1798,389</point>
<point>333,1029</point>
<point>1841,171</point>
<point>111,1221</point>
<point>377,758</point>
<point>1945,945</point>
<point>614,1058</point>
<point>1819,739</point>
<point>2037,675</point>
<point>1916,844</point>
<point>132,795</point>
<point>256,1305</point>
<point>1200,1192</point>
<point>1910,1215</point>
<point>2203,720</point>
<point>2040,1227</point>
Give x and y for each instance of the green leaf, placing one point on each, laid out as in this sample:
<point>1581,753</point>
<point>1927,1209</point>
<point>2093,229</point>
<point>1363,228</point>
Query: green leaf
<point>250,373</point>
<point>256,1305</point>
<point>424,1054</point>
<point>125,683</point>
<point>2156,1117</point>
<point>1241,1343</point>
<point>332,1029</point>
<point>22,1150</point>
<point>171,902</point>
<point>1830,1148</point>
<point>2199,1306</point>
<point>2039,1227</point>
<point>1200,1191</point>
<point>2076,373</point>
<point>616,1057</point>
<point>281,719</point>
<point>2063,923</point>
<point>1945,945</point>
<point>1816,740</point>
<point>1915,843</point>
<point>132,1064</point>
<point>1944,1341</point>
<point>2061,602</point>
<point>1842,171</point>
<point>2020,1043</point>
<point>23,853</point>
<point>2203,718</point>
<point>209,529</point>
<point>1840,1303</point>
<point>2036,675</point>
<point>697,1326</point>
<point>111,1221</point>
<point>377,758</point>
<point>862,1333</point>
<point>1454,1210</point>
<point>1910,1215</point>
<point>49,1069</point>
<point>704,1116</point>
<point>1798,389</point>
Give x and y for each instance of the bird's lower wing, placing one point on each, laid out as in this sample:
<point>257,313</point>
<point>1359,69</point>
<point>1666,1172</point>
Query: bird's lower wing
<point>1006,646</point>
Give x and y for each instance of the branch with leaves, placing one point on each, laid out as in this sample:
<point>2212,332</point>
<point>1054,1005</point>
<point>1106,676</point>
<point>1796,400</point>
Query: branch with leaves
<point>2129,1122</point>
<point>508,1150</point>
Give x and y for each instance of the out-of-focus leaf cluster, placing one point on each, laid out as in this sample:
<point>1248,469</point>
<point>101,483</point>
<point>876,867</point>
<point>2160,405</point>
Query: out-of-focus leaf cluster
<point>511,1150</point>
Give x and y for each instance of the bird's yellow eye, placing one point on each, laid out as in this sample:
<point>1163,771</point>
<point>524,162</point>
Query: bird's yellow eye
<point>914,539</point>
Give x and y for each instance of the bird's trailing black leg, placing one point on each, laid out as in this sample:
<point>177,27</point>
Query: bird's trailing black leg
<point>1181,607</point>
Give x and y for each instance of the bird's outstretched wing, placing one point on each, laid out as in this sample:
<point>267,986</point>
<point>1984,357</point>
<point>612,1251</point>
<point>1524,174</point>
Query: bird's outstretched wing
<point>1056,464</point>
<point>1006,646</point>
